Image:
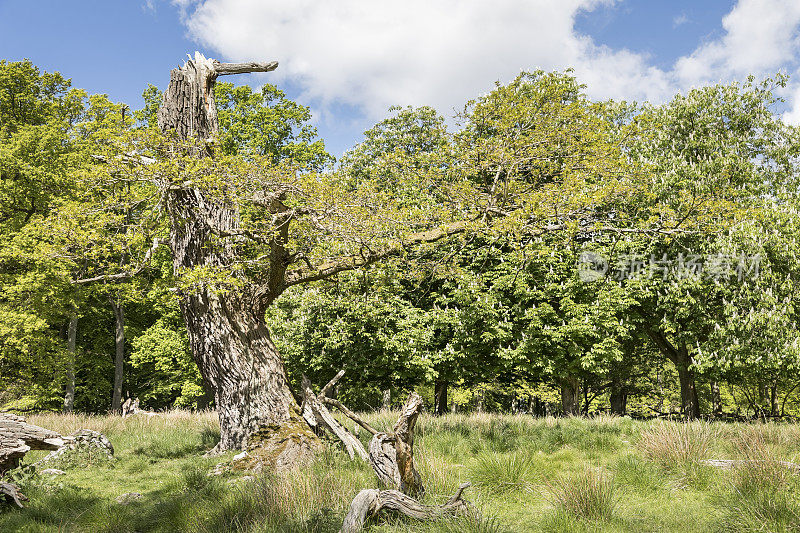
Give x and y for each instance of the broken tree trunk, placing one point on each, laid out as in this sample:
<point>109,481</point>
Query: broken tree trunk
<point>229,339</point>
<point>11,493</point>
<point>322,417</point>
<point>392,455</point>
<point>17,438</point>
<point>369,502</point>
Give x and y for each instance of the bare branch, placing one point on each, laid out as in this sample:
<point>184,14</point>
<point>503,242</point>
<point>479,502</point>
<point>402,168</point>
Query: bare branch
<point>223,69</point>
<point>329,269</point>
<point>124,275</point>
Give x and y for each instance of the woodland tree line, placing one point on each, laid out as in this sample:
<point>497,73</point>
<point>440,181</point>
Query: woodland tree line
<point>438,256</point>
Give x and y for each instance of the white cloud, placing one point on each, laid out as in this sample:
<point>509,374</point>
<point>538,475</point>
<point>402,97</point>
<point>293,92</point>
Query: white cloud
<point>377,53</point>
<point>760,37</point>
<point>680,20</point>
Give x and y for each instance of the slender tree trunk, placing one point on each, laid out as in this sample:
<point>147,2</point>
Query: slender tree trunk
<point>690,406</point>
<point>119,355</point>
<point>72,336</point>
<point>716,401</point>
<point>479,400</point>
<point>773,396</point>
<point>440,397</point>
<point>660,381</point>
<point>570,392</point>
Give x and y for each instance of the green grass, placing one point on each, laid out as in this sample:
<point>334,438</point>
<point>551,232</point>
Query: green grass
<point>548,474</point>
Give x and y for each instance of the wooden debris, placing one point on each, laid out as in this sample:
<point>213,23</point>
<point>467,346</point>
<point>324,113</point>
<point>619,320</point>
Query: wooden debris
<point>80,440</point>
<point>410,480</point>
<point>12,493</point>
<point>369,502</point>
<point>730,464</point>
<point>350,414</point>
<point>313,404</point>
<point>131,407</point>
<point>17,438</point>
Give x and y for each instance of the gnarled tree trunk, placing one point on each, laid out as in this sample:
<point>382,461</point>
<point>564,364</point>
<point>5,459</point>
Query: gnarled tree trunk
<point>227,334</point>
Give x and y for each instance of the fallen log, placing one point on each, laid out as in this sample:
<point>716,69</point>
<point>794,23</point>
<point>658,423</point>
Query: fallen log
<point>730,464</point>
<point>370,502</point>
<point>17,438</point>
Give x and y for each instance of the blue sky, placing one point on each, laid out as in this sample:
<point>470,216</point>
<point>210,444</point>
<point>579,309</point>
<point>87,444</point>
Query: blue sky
<point>351,59</point>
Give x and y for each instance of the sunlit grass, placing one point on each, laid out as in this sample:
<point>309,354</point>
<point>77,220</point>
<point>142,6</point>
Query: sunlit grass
<point>528,474</point>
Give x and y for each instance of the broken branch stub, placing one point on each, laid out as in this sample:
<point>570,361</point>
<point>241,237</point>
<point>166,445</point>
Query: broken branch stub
<point>392,454</point>
<point>410,480</point>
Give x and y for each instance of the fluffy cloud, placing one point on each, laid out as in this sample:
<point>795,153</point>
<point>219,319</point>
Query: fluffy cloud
<point>760,38</point>
<point>377,53</point>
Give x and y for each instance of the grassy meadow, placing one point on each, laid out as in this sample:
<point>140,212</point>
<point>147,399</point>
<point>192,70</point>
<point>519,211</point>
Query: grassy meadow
<point>528,474</point>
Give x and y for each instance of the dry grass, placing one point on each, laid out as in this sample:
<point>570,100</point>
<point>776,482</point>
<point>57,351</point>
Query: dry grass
<point>672,444</point>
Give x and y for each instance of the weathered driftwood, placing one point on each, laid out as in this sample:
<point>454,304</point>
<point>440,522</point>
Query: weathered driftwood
<point>369,502</point>
<point>12,494</point>
<point>390,454</point>
<point>350,414</point>
<point>383,459</point>
<point>131,407</point>
<point>17,438</point>
<point>313,404</point>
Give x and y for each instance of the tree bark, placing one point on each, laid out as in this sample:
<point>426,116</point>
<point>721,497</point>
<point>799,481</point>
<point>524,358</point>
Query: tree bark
<point>386,401</point>
<point>72,335</point>
<point>690,405</point>
<point>227,334</point>
<point>119,355</point>
<point>569,395</point>
<point>773,396</point>
<point>716,401</point>
<point>440,397</point>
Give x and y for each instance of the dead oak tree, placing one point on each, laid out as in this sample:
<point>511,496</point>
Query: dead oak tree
<point>243,221</point>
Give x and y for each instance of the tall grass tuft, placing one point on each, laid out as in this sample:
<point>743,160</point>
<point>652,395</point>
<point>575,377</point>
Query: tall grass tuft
<point>764,489</point>
<point>588,495</point>
<point>676,444</point>
<point>497,473</point>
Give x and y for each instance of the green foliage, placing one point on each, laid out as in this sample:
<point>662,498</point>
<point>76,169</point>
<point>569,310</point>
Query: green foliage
<point>161,353</point>
<point>267,124</point>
